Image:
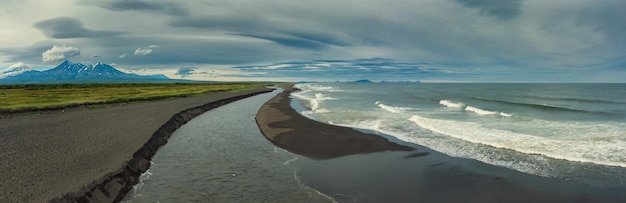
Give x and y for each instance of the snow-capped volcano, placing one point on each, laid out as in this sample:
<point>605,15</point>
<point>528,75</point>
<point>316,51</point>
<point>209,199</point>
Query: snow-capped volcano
<point>68,72</point>
<point>16,69</point>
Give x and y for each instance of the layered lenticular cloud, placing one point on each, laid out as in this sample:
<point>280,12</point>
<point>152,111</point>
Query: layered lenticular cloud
<point>372,69</point>
<point>15,69</point>
<point>68,27</point>
<point>163,7</point>
<point>59,53</point>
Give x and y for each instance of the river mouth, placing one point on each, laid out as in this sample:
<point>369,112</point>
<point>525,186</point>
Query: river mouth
<point>221,156</point>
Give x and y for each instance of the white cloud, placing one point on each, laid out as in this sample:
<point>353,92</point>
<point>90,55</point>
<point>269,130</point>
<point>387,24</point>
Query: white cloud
<point>143,51</point>
<point>59,53</point>
<point>96,56</point>
<point>186,71</point>
<point>123,56</point>
<point>15,69</point>
<point>153,46</point>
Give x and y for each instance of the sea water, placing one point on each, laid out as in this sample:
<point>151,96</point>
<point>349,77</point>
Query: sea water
<point>566,131</point>
<point>221,156</point>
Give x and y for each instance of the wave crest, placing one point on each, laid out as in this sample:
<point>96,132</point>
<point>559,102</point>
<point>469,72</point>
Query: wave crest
<point>479,111</point>
<point>392,109</point>
<point>451,104</point>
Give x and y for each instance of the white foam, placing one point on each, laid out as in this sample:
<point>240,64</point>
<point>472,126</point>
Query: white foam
<point>290,160</point>
<point>300,95</point>
<point>598,151</point>
<point>307,114</point>
<point>445,146</point>
<point>315,104</point>
<point>322,110</point>
<point>296,177</point>
<point>479,111</point>
<point>374,125</point>
<point>392,109</point>
<point>322,97</point>
<point>451,104</point>
<point>313,95</point>
<point>318,88</point>
<point>505,114</point>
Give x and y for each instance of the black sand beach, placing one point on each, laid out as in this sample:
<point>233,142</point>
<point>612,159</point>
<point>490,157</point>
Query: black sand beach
<point>91,155</point>
<point>344,166</point>
<point>289,130</point>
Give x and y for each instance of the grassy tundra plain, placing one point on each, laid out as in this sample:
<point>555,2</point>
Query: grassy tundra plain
<point>20,98</point>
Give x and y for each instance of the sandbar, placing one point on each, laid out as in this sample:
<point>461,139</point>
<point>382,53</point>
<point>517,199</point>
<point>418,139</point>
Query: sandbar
<point>359,166</point>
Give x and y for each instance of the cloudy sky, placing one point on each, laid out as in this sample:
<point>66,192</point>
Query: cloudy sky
<point>293,40</point>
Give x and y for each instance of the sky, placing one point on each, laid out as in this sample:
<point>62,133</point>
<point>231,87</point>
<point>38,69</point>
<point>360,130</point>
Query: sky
<point>324,40</point>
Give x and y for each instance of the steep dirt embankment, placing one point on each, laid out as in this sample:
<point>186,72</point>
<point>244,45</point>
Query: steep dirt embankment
<point>113,187</point>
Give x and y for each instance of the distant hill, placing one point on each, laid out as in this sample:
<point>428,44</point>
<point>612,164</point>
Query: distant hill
<point>363,81</point>
<point>68,72</point>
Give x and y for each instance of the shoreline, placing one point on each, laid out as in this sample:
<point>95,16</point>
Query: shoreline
<point>80,156</point>
<point>286,128</point>
<point>419,175</point>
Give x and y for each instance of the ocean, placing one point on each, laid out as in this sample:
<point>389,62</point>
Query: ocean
<point>565,131</point>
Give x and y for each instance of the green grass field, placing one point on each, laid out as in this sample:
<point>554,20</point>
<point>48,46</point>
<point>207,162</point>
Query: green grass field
<point>18,98</point>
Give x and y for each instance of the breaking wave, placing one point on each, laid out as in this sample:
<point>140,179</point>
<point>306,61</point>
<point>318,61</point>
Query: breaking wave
<point>314,103</point>
<point>472,109</point>
<point>451,104</point>
<point>591,150</point>
<point>392,109</point>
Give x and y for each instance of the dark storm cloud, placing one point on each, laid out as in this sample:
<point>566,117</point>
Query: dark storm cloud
<point>501,9</point>
<point>67,27</point>
<point>164,7</point>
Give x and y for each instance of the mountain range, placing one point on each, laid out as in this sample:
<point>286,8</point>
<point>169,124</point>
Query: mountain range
<point>68,72</point>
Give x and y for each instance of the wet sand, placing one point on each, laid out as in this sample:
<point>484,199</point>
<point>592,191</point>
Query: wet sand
<point>361,166</point>
<point>46,156</point>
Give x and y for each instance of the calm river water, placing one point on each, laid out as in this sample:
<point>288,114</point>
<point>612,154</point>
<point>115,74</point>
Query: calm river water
<point>221,156</point>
